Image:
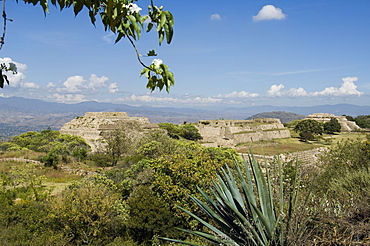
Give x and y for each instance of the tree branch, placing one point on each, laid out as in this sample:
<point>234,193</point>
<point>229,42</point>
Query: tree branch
<point>138,54</point>
<point>2,39</point>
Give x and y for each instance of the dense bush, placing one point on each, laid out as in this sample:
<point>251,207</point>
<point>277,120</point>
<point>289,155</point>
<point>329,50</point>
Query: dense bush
<point>187,131</point>
<point>58,146</point>
<point>308,128</point>
<point>363,121</point>
<point>332,126</point>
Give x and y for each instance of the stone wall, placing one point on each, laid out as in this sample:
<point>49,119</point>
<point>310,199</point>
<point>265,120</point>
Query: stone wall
<point>90,126</point>
<point>229,133</point>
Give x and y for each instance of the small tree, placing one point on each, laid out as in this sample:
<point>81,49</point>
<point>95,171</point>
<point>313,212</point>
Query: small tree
<point>332,126</point>
<point>190,132</point>
<point>308,128</point>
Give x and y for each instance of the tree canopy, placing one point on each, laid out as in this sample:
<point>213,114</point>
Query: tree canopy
<point>332,126</point>
<point>187,131</point>
<point>123,18</point>
<point>308,129</point>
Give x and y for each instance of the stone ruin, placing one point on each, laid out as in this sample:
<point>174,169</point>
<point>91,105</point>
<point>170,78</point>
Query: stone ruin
<point>229,133</point>
<point>92,124</point>
<point>216,133</point>
<point>346,125</point>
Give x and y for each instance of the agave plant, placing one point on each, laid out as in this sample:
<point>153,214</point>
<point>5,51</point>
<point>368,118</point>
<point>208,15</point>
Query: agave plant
<point>243,209</point>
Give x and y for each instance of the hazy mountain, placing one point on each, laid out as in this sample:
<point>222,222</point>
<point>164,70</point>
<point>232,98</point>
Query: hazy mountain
<point>36,114</point>
<point>284,117</point>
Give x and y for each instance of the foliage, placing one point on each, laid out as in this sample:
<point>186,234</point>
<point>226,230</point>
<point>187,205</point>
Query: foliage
<point>89,212</point>
<point>172,130</point>
<point>187,131</point>
<point>121,141</point>
<point>102,159</point>
<point>23,182</point>
<point>350,118</point>
<point>50,160</point>
<point>22,202</point>
<point>345,157</point>
<point>124,19</point>
<point>54,143</point>
<point>176,175</point>
<point>308,127</point>
<point>344,180</point>
<point>50,141</point>
<point>363,121</point>
<point>332,126</point>
<point>244,209</point>
<point>285,117</point>
<point>190,132</point>
<point>149,215</point>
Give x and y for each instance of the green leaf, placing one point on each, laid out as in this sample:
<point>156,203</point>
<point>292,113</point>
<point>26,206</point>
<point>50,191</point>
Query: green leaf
<point>163,19</point>
<point>149,28</point>
<point>92,17</point>
<point>161,36</point>
<point>151,53</point>
<point>61,4</point>
<point>12,67</point>
<point>77,7</point>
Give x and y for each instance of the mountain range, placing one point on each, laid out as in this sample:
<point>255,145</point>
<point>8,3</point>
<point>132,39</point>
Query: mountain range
<point>32,113</point>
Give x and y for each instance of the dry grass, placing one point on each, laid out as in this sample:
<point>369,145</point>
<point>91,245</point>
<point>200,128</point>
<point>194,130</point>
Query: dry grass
<point>293,144</point>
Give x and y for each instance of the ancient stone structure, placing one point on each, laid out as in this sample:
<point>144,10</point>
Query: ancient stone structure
<point>92,124</point>
<point>346,125</point>
<point>229,133</point>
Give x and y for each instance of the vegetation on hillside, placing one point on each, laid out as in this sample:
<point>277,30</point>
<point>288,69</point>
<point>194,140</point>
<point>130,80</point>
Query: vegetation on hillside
<point>145,195</point>
<point>283,116</point>
<point>308,129</point>
<point>362,121</point>
<point>186,131</point>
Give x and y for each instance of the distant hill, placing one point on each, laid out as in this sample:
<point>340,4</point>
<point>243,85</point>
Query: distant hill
<point>284,117</point>
<point>19,115</point>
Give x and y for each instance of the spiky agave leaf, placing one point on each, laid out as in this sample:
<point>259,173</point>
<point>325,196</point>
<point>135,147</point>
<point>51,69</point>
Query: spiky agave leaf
<point>243,208</point>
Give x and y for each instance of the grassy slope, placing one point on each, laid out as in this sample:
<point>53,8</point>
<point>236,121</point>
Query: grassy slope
<point>293,144</point>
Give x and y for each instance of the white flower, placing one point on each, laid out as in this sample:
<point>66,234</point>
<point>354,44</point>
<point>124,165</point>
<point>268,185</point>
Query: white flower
<point>133,8</point>
<point>157,62</point>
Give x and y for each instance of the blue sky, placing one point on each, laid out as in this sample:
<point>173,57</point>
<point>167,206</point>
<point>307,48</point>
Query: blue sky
<point>244,53</point>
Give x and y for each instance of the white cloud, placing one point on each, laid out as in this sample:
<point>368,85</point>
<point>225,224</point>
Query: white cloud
<point>68,98</point>
<point>216,17</point>
<point>77,84</point>
<point>348,88</point>
<point>278,91</point>
<point>113,88</point>
<point>275,91</point>
<point>240,94</point>
<point>293,92</point>
<point>96,82</point>
<point>3,95</point>
<point>29,85</point>
<point>109,38</point>
<point>188,100</point>
<point>269,12</point>
<point>73,84</point>
<point>51,85</point>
